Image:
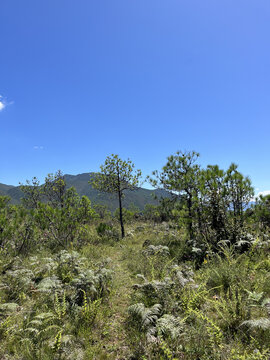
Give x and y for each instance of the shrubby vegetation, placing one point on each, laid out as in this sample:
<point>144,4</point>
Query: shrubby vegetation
<point>188,278</point>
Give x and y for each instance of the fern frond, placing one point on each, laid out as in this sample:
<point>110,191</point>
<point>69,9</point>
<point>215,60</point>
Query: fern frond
<point>32,330</point>
<point>49,285</point>
<point>36,323</point>
<point>9,307</point>
<point>152,250</point>
<point>262,323</point>
<point>45,316</point>
<point>170,326</point>
<point>145,317</point>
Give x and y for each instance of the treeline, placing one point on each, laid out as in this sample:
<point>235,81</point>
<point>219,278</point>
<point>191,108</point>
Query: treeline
<point>209,205</point>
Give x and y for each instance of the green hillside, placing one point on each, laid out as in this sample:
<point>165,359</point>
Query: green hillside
<point>139,198</point>
<point>13,192</point>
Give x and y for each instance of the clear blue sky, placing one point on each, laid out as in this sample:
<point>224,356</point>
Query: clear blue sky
<point>82,79</point>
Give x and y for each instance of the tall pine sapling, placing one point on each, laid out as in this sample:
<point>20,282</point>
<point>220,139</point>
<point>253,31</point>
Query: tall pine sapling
<point>117,176</point>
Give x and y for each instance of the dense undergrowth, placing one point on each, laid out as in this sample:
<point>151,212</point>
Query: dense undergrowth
<point>220,311</point>
<point>135,299</point>
<point>186,279</point>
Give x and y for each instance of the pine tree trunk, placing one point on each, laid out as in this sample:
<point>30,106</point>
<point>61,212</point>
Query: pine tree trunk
<point>190,220</point>
<point>121,215</point>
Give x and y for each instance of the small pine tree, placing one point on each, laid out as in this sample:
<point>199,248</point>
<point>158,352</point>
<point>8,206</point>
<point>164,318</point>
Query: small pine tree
<point>116,177</point>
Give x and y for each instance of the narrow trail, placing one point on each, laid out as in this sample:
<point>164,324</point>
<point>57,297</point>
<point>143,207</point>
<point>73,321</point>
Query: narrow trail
<point>116,343</point>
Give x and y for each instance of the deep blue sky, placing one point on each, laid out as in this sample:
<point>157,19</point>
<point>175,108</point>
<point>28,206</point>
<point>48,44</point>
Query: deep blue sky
<point>82,79</point>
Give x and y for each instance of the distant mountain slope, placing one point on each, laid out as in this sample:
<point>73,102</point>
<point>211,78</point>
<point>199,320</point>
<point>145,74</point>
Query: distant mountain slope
<point>139,198</point>
<point>13,192</point>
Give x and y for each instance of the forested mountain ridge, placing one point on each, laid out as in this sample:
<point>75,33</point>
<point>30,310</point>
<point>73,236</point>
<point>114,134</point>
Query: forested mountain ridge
<point>80,182</point>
